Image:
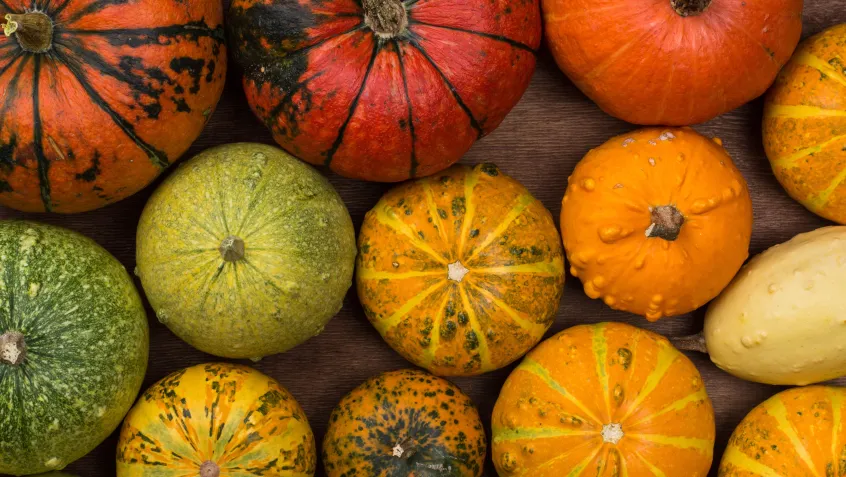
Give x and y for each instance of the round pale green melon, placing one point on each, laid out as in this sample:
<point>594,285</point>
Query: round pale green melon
<point>244,251</point>
<point>73,346</point>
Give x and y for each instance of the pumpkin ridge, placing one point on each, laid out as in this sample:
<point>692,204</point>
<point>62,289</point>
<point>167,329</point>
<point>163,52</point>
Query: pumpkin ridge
<point>823,197</point>
<point>806,58</point>
<point>383,217</point>
<point>429,351</point>
<point>386,324</point>
<point>666,357</point>
<point>93,7</point>
<point>543,268</point>
<point>698,395</point>
<point>490,36</point>
<point>531,327</point>
<point>471,180</point>
<point>655,470</point>
<point>520,433</point>
<point>679,442</point>
<point>802,111</point>
<point>133,36</point>
<point>433,212</point>
<point>414,164</point>
<point>836,418</point>
<point>55,13</point>
<point>476,328</point>
<point>371,274</point>
<point>787,161</point>
<point>776,409</point>
<point>520,205</point>
<point>535,368</point>
<point>744,462</point>
<point>600,353</point>
<point>581,466</point>
<point>37,135</point>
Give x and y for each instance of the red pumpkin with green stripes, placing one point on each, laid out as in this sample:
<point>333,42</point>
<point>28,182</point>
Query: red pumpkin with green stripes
<point>383,90</point>
<point>604,400</point>
<point>100,96</point>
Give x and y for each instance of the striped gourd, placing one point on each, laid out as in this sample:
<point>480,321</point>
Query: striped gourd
<point>606,400</point>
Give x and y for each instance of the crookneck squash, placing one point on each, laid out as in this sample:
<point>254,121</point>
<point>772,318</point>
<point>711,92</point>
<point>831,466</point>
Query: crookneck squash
<point>796,433</point>
<point>383,90</point>
<point>656,222</point>
<point>100,96</point>
<point>216,420</point>
<point>672,62</point>
<point>461,272</point>
<point>607,400</point>
<point>405,423</point>
<point>73,346</point>
<point>805,125</point>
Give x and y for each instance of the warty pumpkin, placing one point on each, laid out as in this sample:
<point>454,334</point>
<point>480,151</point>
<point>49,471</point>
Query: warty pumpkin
<point>609,398</point>
<point>383,90</point>
<point>405,423</point>
<point>805,125</point>
<point>656,222</point>
<point>216,420</point>
<point>796,433</point>
<point>672,62</point>
<point>461,272</point>
<point>100,97</point>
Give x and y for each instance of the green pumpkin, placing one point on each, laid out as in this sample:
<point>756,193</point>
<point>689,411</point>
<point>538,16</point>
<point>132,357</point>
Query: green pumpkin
<point>73,346</point>
<point>245,251</point>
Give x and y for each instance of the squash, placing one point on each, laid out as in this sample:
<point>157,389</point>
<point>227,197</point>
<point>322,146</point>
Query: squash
<point>795,433</point>
<point>462,272</point>
<point>405,423</point>
<point>804,126</point>
<point>216,420</point>
<point>672,62</point>
<point>656,222</point>
<point>73,346</point>
<point>100,97</point>
<point>245,251</point>
<point>383,90</point>
<point>610,399</point>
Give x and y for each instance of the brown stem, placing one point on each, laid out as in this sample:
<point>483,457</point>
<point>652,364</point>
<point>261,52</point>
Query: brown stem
<point>689,8</point>
<point>691,343</point>
<point>209,469</point>
<point>232,249</point>
<point>667,222</point>
<point>12,348</point>
<point>387,18</point>
<point>34,30</point>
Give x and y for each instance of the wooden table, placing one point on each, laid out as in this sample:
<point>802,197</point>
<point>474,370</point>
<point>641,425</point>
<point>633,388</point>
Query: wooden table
<point>539,144</point>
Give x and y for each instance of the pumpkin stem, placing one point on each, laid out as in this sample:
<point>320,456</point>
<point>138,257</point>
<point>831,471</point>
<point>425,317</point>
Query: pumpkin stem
<point>12,348</point>
<point>666,223</point>
<point>691,343</point>
<point>232,249</point>
<point>387,18</point>
<point>34,31</point>
<point>689,8</point>
<point>209,469</point>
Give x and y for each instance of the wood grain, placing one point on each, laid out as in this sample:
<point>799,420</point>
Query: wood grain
<point>539,144</point>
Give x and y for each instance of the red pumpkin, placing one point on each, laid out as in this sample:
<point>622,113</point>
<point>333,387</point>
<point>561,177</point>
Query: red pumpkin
<point>98,97</point>
<point>383,90</point>
<point>672,62</point>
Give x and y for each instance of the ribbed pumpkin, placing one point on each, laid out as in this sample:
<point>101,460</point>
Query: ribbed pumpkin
<point>656,222</point>
<point>99,97</point>
<point>216,420</point>
<point>672,62</point>
<point>805,125</point>
<point>383,90</point>
<point>796,433</point>
<point>462,272</point>
<point>405,423</point>
<point>607,400</point>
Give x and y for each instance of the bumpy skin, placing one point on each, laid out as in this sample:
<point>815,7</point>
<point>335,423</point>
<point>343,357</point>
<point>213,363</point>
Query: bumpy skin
<point>805,125</point>
<point>607,211</point>
<point>549,417</point>
<point>796,433</point>
<point>233,416</point>
<point>333,92</point>
<point>299,251</point>
<point>476,219</point>
<point>125,89</point>
<point>87,343</point>
<point>405,423</point>
<point>642,62</point>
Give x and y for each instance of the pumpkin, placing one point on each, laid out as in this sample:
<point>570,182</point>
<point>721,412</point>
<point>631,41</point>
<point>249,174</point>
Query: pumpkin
<point>672,62</point>
<point>797,432</point>
<point>245,251</point>
<point>656,222</point>
<point>73,346</point>
<point>610,399</point>
<point>405,422</point>
<point>462,272</point>
<point>100,97</point>
<point>383,90</point>
<point>216,420</point>
<point>804,129</point>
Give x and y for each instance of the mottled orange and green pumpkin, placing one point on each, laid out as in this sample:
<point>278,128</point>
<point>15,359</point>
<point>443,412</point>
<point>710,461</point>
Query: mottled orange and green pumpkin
<point>605,400</point>
<point>796,433</point>
<point>216,420</point>
<point>461,272</point>
<point>405,423</point>
<point>805,125</point>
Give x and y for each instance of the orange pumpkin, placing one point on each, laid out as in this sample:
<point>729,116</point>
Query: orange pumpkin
<point>611,398</point>
<point>656,222</point>
<point>805,125</point>
<point>796,433</point>
<point>461,272</point>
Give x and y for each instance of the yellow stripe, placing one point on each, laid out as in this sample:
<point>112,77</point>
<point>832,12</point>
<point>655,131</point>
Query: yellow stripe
<point>533,367</point>
<point>433,210</point>
<point>655,470</point>
<point>521,433</point>
<point>666,357</point>
<point>775,408</point>
<point>624,470</point>
<point>385,325</point>
<point>370,274</point>
<point>817,202</point>
<point>435,340</point>
<point>780,110</point>
<point>742,461</point>
<point>521,204</point>
<point>484,354</point>
<point>536,329</point>
<point>577,470</point>
<point>678,405</point>
<point>600,353</point>
<point>703,445</point>
<point>385,215</point>
<point>836,418</point>
<point>788,161</point>
<point>808,59</point>
<point>554,268</point>
<point>470,181</point>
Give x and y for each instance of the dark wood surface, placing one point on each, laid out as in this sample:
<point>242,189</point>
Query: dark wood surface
<point>539,144</point>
